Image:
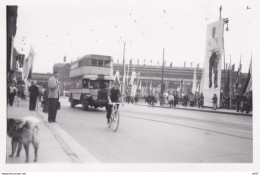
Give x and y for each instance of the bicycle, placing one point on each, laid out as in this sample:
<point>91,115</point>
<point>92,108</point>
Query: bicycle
<point>16,101</point>
<point>114,119</point>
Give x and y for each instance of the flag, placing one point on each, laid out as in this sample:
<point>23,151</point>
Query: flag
<point>198,88</point>
<point>157,63</point>
<point>198,65</point>
<point>132,78</point>
<point>248,86</point>
<point>64,59</point>
<point>194,82</point>
<point>20,58</point>
<point>233,67</point>
<point>28,65</point>
<point>127,73</point>
<point>151,61</point>
<point>150,89</point>
<point>181,85</point>
<point>238,76</point>
<point>138,61</point>
<point>144,62</point>
<point>184,63</point>
<point>116,77</point>
<point>171,64</point>
<point>140,86</point>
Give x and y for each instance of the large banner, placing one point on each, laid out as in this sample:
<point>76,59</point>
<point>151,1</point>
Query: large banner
<point>213,62</point>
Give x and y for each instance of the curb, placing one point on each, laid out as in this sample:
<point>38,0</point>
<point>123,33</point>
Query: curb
<point>71,147</point>
<point>200,110</point>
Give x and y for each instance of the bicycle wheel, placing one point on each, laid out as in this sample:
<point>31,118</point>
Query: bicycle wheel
<point>115,120</point>
<point>110,123</point>
<point>16,101</point>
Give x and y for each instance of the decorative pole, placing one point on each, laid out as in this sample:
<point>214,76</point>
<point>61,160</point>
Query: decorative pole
<point>162,85</point>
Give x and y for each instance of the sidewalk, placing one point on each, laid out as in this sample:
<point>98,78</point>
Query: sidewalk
<point>56,146</point>
<point>205,109</point>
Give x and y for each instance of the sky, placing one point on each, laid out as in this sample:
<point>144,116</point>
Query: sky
<point>77,28</point>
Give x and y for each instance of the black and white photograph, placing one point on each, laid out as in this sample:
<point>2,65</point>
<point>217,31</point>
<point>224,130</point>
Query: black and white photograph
<point>130,85</point>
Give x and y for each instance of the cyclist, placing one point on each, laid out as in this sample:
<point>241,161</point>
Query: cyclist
<point>113,96</point>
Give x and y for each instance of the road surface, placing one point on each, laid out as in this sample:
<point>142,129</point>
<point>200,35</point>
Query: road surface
<point>160,135</point>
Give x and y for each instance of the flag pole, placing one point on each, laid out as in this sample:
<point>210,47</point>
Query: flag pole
<point>230,85</point>
<point>162,85</point>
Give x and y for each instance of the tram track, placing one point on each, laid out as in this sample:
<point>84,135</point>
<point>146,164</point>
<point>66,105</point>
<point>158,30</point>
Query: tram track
<point>162,118</point>
<point>226,123</point>
<point>194,127</point>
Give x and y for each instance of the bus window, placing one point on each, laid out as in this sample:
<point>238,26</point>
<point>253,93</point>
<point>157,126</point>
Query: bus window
<point>95,84</point>
<point>107,63</point>
<point>94,62</point>
<point>100,63</point>
<point>85,83</point>
<point>104,85</point>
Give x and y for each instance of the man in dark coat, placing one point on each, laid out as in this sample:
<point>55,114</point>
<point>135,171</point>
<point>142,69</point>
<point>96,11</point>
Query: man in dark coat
<point>238,102</point>
<point>215,101</point>
<point>34,92</point>
<point>46,101</point>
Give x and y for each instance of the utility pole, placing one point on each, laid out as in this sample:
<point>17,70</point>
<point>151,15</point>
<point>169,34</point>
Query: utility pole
<point>230,85</point>
<point>162,84</point>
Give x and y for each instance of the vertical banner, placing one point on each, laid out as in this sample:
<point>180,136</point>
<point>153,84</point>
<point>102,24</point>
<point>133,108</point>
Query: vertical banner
<point>213,62</point>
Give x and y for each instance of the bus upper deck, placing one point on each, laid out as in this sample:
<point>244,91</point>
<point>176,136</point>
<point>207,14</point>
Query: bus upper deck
<point>92,65</point>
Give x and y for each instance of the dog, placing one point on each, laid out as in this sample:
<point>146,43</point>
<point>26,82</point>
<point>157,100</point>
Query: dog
<point>23,132</point>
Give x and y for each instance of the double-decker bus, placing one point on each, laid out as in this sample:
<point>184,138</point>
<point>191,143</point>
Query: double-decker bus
<point>91,77</point>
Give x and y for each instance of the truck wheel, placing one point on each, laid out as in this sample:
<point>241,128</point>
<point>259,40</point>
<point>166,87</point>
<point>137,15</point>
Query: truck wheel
<point>72,104</point>
<point>85,104</point>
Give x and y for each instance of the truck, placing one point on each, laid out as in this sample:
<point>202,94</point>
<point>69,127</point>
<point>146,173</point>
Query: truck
<point>91,76</point>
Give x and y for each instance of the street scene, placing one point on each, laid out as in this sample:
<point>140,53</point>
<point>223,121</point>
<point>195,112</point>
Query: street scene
<point>130,83</point>
<point>147,135</point>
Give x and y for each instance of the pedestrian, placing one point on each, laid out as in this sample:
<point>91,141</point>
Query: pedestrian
<point>201,101</point>
<point>215,100</point>
<point>45,101</point>
<point>185,100</point>
<point>192,100</point>
<point>238,102</point>
<point>34,92</point>
<point>53,95</point>
<point>113,96</point>
<point>12,93</point>
<point>170,99</point>
<point>176,99</point>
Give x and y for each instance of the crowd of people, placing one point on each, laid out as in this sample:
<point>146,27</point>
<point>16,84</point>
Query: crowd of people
<point>243,101</point>
<point>174,100</point>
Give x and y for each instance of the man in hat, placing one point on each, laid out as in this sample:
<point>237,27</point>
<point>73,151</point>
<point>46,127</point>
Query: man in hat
<point>113,96</point>
<point>34,92</point>
<point>53,85</point>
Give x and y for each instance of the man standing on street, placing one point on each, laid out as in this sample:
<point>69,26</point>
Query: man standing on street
<point>238,102</point>
<point>34,92</point>
<point>12,93</point>
<point>215,100</point>
<point>53,96</point>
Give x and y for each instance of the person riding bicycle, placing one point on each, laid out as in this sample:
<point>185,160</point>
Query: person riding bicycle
<point>113,96</point>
